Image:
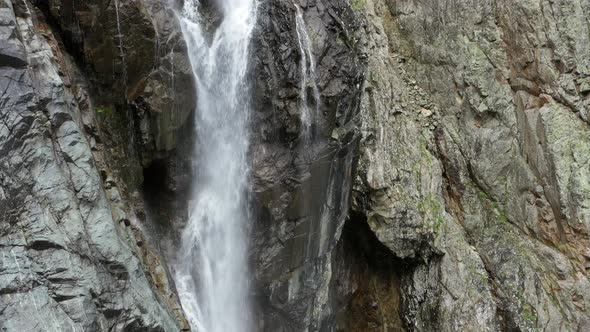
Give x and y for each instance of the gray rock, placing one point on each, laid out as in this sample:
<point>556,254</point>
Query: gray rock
<point>301,186</point>
<point>66,263</point>
<point>143,61</point>
<point>504,168</point>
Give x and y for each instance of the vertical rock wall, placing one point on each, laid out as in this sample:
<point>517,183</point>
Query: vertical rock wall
<point>474,160</point>
<point>74,256</point>
<point>67,263</point>
<point>302,187</point>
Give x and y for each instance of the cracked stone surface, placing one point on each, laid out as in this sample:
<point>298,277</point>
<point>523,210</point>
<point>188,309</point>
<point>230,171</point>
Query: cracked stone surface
<point>474,160</point>
<point>70,260</point>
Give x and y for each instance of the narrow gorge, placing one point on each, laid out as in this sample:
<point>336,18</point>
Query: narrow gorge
<point>294,165</point>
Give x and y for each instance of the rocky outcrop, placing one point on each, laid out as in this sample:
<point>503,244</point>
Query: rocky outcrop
<point>73,256</point>
<point>474,160</point>
<point>301,185</point>
<point>143,62</point>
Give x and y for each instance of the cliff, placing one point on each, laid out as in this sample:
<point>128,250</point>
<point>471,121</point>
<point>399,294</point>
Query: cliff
<point>443,183</point>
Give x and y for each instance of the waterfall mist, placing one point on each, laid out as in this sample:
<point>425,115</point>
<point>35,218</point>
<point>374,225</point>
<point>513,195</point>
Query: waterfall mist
<point>211,271</point>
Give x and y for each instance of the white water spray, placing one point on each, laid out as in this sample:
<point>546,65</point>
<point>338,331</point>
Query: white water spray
<point>211,274</point>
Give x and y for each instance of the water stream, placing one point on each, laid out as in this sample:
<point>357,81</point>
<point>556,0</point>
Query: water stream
<point>211,273</point>
<point>120,45</point>
<point>308,76</point>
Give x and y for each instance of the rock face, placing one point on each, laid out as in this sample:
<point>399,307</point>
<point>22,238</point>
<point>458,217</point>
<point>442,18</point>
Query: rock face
<point>73,256</point>
<point>444,184</point>
<point>301,184</point>
<point>474,160</point>
<point>143,61</point>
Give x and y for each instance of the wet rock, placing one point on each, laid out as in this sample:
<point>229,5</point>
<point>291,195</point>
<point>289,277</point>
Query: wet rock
<point>142,62</point>
<point>301,185</point>
<point>66,263</point>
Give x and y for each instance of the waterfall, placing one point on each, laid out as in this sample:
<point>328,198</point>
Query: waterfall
<point>211,271</point>
<point>307,65</point>
<point>120,46</point>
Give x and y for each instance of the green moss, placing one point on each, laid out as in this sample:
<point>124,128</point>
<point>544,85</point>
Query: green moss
<point>528,314</point>
<point>492,207</point>
<point>358,5</point>
<point>431,211</point>
<point>474,272</point>
<point>104,111</point>
<point>484,277</point>
<point>484,196</point>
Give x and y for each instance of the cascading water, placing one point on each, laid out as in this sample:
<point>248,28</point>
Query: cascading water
<point>211,272</point>
<point>307,64</point>
<point>120,45</point>
<point>308,117</point>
